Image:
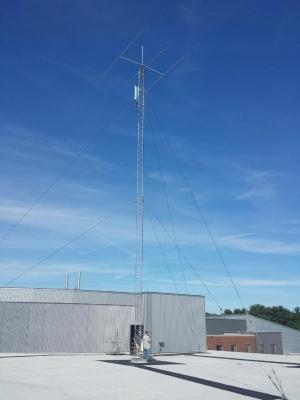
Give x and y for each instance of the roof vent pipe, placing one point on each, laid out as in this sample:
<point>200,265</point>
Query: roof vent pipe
<point>78,280</point>
<point>66,281</point>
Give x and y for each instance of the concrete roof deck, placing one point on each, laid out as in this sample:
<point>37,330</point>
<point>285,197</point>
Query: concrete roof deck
<point>213,375</point>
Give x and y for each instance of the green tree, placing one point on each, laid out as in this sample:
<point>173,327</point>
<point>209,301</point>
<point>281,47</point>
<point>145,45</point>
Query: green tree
<point>239,311</point>
<point>278,314</point>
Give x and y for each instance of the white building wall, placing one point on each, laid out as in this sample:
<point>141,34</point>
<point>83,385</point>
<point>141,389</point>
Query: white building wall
<point>42,327</point>
<point>176,320</point>
<point>59,320</point>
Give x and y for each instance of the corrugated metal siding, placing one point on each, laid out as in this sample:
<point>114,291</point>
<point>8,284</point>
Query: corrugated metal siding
<point>26,295</point>
<point>36,337</point>
<point>178,321</point>
<point>290,337</point>
<point>14,321</point>
<point>51,320</point>
<point>267,339</point>
<point>41,327</point>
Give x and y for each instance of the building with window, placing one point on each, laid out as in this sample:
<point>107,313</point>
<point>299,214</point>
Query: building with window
<point>232,342</point>
<point>231,330</point>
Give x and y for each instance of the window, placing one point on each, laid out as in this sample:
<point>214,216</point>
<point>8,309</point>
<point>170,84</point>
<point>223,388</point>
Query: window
<point>219,347</point>
<point>248,348</point>
<point>233,347</point>
<point>274,348</point>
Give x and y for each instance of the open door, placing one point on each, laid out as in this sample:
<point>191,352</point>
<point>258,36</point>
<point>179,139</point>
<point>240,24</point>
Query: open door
<point>136,335</point>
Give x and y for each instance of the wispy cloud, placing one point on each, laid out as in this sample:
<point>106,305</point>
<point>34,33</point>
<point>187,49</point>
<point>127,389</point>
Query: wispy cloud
<point>68,221</point>
<point>106,271</point>
<point>165,178</point>
<point>23,144</point>
<point>223,282</point>
<point>295,221</point>
<point>253,244</point>
<point>258,184</point>
<point>120,245</point>
<point>188,13</point>
<point>206,15</point>
<point>45,216</point>
<point>268,282</point>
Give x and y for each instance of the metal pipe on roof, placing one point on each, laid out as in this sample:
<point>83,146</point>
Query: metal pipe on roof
<point>78,280</point>
<point>66,281</point>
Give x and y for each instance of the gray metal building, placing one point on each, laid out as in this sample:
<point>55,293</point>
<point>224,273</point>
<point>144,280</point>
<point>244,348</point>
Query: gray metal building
<point>269,334</point>
<point>65,320</point>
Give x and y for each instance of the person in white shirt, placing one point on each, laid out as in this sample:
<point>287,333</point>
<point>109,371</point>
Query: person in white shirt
<point>146,345</point>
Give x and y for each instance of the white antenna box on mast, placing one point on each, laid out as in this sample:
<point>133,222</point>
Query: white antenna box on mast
<point>136,93</point>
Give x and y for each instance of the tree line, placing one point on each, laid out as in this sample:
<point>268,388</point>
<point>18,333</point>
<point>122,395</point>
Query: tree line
<point>279,314</point>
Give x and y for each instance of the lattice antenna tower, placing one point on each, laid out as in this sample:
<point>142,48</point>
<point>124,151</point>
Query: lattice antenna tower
<point>139,97</point>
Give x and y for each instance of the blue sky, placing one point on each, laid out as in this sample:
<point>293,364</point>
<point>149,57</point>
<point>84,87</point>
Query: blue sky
<point>230,110</point>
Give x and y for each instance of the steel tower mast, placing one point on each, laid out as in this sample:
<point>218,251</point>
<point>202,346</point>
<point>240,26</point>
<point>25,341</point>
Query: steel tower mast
<point>139,95</point>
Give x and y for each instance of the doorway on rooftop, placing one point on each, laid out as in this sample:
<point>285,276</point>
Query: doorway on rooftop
<point>136,333</point>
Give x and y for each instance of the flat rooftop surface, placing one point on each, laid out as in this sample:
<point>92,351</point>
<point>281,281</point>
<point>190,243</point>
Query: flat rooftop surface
<point>212,375</point>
